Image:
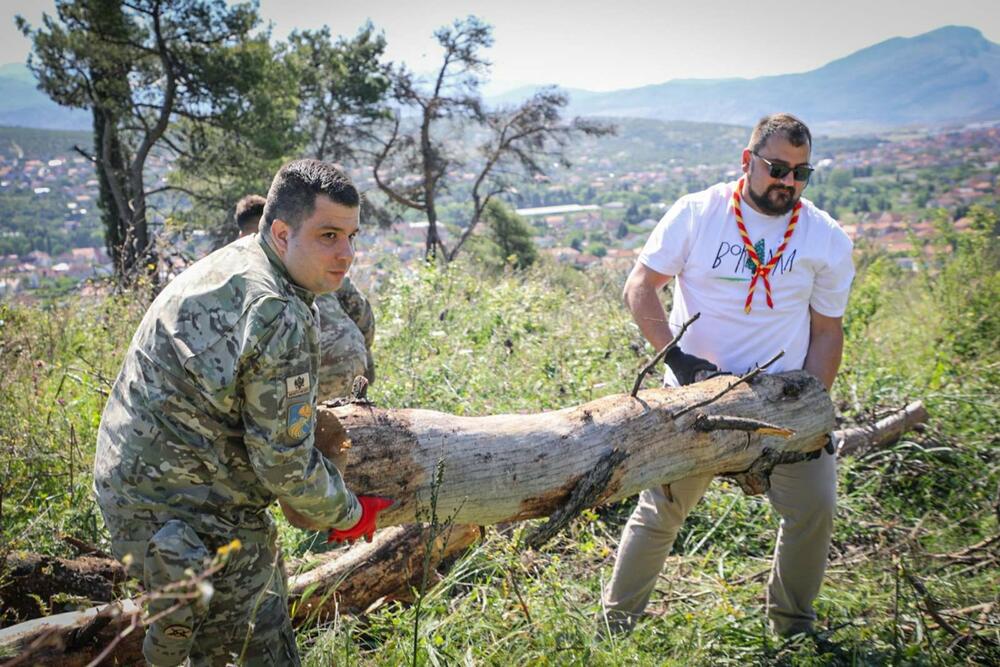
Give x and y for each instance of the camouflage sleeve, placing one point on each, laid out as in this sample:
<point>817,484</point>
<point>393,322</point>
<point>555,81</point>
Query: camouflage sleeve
<point>360,311</point>
<point>279,417</point>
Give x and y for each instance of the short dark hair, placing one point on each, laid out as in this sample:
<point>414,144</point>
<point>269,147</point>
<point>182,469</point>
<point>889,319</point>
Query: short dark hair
<point>249,211</point>
<point>292,196</point>
<point>779,123</point>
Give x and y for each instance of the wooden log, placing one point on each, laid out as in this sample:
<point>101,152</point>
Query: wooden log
<point>75,639</point>
<point>389,566</point>
<point>513,467</point>
<point>883,432</point>
<point>485,470</point>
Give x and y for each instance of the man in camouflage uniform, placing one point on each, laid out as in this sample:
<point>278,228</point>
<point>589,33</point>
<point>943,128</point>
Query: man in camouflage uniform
<point>212,417</point>
<point>347,324</point>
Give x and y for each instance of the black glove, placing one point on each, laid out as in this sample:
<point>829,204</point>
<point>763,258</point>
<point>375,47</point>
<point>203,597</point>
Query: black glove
<point>687,366</point>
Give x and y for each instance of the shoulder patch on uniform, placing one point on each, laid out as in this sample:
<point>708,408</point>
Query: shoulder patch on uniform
<point>300,422</point>
<point>297,385</point>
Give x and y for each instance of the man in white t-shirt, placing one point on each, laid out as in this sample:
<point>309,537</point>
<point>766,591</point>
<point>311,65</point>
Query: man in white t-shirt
<point>768,271</point>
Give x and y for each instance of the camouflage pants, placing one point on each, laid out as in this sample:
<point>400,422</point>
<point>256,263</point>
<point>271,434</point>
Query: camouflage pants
<point>245,621</point>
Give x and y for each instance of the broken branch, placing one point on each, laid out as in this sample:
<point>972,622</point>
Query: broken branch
<point>659,355</point>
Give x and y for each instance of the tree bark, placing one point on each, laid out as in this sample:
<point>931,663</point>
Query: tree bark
<point>388,567</point>
<point>76,639</point>
<point>882,433</point>
<point>513,467</point>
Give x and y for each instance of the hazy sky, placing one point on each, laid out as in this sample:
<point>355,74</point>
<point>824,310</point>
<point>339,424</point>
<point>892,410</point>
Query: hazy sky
<point>608,44</point>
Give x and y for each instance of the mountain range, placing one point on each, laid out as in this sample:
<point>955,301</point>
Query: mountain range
<point>23,105</point>
<point>949,75</point>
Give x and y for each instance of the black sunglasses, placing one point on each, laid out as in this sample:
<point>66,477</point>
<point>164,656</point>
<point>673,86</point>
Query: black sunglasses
<point>800,173</point>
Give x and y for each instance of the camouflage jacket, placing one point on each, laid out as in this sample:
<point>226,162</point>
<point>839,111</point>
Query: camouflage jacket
<point>347,330</point>
<point>212,415</point>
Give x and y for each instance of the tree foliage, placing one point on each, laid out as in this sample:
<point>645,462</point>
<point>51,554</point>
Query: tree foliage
<point>418,162</point>
<point>509,235</point>
<point>160,78</point>
<point>342,88</point>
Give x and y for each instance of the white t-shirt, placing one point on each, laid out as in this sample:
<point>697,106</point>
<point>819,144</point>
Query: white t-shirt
<point>698,242</point>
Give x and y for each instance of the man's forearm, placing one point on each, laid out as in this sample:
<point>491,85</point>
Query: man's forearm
<point>824,355</point>
<point>647,311</point>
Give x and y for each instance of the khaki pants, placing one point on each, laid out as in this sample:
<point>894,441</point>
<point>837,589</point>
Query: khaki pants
<point>803,494</point>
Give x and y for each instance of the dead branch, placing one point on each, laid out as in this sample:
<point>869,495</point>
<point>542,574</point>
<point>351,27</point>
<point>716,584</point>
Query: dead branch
<point>662,353</point>
<point>931,606</point>
<point>585,494</point>
<point>391,564</point>
<point>84,548</point>
<point>722,422</point>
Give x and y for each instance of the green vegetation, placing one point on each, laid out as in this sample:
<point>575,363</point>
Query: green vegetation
<point>507,240</point>
<point>32,144</point>
<point>30,221</point>
<point>472,342</point>
<point>57,364</point>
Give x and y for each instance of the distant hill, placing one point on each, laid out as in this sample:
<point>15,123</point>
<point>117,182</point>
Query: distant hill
<point>948,75</point>
<point>41,144</point>
<point>646,143</point>
<point>23,105</point>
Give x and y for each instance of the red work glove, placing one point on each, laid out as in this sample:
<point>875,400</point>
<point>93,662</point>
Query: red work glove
<point>370,507</point>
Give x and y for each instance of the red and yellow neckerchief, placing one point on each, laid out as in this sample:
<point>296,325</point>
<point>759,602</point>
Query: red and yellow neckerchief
<point>761,270</point>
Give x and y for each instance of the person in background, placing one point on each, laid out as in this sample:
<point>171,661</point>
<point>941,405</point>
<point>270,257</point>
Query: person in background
<point>249,211</point>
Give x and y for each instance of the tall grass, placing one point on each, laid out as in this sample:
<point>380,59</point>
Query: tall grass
<point>57,364</point>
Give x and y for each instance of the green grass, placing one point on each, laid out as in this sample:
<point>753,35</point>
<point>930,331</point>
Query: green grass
<point>466,342</point>
<point>57,364</point>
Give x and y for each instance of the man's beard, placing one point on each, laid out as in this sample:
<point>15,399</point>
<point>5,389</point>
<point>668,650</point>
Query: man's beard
<point>768,207</point>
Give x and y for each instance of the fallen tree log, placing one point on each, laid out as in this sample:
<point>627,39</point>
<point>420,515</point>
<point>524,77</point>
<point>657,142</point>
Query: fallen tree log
<point>390,566</point>
<point>881,433</point>
<point>349,581</point>
<point>33,580</point>
<point>79,638</point>
<point>507,468</point>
